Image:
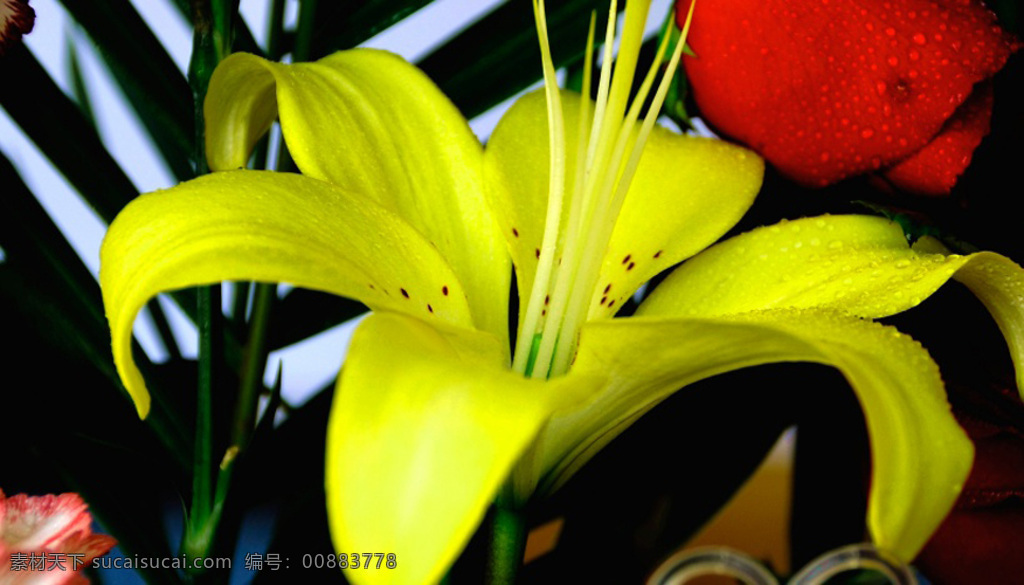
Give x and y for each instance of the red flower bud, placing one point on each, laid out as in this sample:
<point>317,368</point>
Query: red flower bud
<point>828,89</point>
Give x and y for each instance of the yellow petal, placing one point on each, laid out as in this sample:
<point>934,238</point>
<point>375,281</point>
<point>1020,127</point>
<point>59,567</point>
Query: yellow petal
<point>426,425</point>
<point>998,282</point>
<point>855,264</point>
<point>371,123</point>
<point>272,227</point>
<point>852,263</point>
<point>687,192</point>
<point>920,455</point>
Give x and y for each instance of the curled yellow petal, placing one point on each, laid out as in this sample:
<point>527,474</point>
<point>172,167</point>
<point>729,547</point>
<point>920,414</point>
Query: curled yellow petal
<point>369,122</point>
<point>920,456</point>
<point>998,282</point>
<point>855,264</point>
<point>270,227</point>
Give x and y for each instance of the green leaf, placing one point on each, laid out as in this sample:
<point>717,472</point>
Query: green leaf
<point>347,24</point>
<point>150,80</point>
<point>56,125</point>
<point>499,55</point>
<point>37,255</point>
<point>79,91</point>
<point>43,277</point>
<point>304,313</point>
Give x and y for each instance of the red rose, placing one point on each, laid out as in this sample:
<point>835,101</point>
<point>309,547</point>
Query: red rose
<point>980,540</point>
<point>828,89</point>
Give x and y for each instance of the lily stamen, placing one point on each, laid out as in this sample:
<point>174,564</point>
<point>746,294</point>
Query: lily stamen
<point>600,188</point>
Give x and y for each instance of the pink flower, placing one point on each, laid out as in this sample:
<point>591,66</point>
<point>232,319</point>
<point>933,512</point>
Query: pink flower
<point>47,540</point>
<point>16,19</point>
<point>829,89</point>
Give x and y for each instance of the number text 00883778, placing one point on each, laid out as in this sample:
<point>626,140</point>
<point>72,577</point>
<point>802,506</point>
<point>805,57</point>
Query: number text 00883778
<point>350,561</point>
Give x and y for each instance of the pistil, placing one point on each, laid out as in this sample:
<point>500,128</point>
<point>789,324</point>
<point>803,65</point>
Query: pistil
<point>523,360</point>
<point>563,290</point>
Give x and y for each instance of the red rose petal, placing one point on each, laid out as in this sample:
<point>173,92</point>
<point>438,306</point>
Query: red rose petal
<point>974,547</point>
<point>826,89</point>
<point>16,19</point>
<point>979,542</point>
<point>934,169</point>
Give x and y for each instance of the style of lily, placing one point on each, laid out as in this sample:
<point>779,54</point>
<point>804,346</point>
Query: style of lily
<point>436,415</point>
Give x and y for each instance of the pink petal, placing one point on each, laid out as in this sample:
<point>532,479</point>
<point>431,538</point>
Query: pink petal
<point>43,522</point>
<point>48,526</point>
<point>16,19</point>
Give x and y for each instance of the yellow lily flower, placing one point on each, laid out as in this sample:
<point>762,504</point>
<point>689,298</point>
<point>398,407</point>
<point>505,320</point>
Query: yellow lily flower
<point>399,206</point>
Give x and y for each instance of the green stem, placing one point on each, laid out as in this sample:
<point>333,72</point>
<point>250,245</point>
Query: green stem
<point>275,30</point>
<point>223,22</point>
<point>239,304</point>
<point>508,541</point>
<point>163,328</point>
<point>211,41</point>
<point>200,535</point>
<point>254,365</point>
<point>208,299</point>
<point>304,34</point>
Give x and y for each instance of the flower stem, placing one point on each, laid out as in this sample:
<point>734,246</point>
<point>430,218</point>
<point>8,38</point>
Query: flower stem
<point>211,42</point>
<point>508,541</point>
<point>208,300</point>
<point>254,364</point>
<point>304,34</point>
